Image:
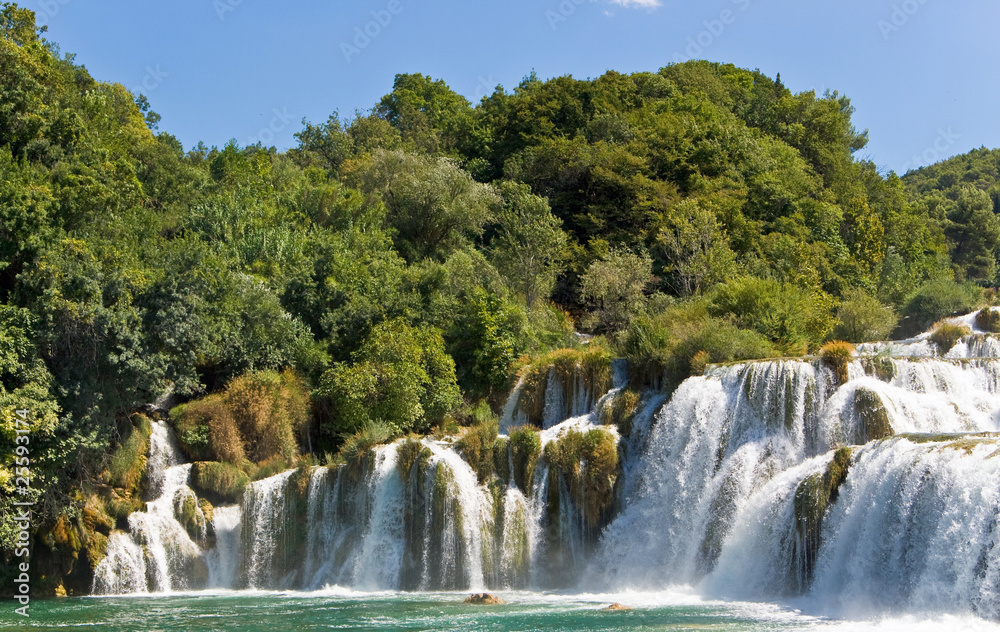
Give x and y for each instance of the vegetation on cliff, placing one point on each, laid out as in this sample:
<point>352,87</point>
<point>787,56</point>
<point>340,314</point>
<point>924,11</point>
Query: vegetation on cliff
<point>390,273</point>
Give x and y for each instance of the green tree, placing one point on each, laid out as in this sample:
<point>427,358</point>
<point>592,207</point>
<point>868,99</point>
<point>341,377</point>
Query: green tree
<point>400,378</point>
<point>527,242</point>
<point>695,248</point>
<point>615,285</point>
<point>433,205</point>
<point>973,230</point>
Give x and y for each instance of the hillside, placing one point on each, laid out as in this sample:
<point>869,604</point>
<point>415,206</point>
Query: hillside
<point>391,273</point>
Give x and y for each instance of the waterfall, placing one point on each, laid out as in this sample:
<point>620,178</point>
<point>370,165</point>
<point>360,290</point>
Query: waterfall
<point>159,554</point>
<point>734,492</point>
<point>920,521</point>
<point>761,480</point>
<point>265,530</point>
<point>224,559</point>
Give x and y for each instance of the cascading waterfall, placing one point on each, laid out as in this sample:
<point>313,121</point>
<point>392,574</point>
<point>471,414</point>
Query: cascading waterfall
<point>159,554</point>
<point>741,494</point>
<point>758,481</point>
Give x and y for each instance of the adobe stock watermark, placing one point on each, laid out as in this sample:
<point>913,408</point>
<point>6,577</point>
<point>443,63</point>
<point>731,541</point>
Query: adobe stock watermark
<point>562,12</point>
<point>49,8</point>
<point>364,35</point>
<point>22,511</point>
<point>901,14</point>
<point>222,7</point>
<point>936,152</point>
<point>485,87</point>
<point>152,80</point>
<point>714,29</point>
<point>280,120</point>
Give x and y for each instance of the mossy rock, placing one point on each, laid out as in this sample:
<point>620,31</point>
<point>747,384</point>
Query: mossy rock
<point>873,416</point>
<point>220,483</point>
<point>526,448</point>
<point>622,410</point>
<point>190,516</point>
<point>96,549</point>
<point>947,335</point>
<point>988,320</point>
<point>411,452</point>
<point>127,468</point>
<point>813,497</point>
<point>881,367</point>
<point>477,446</point>
<point>588,463</point>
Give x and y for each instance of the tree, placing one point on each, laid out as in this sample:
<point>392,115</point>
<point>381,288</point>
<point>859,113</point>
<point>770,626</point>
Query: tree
<point>527,243</point>
<point>695,248</point>
<point>974,231</point>
<point>615,286</point>
<point>863,318</point>
<point>427,112</point>
<point>433,205</point>
<point>400,378</point>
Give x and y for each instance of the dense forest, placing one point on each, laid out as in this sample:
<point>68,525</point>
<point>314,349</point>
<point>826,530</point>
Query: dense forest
<point>393,272</point>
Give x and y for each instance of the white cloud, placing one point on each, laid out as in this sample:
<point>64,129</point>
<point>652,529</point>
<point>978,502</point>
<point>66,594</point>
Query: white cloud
<point>642,4</point>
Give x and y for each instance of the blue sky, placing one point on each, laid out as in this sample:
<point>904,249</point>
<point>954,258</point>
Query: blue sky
<point>922,74</point>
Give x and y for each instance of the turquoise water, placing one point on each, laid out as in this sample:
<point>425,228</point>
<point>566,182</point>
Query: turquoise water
<point>334,610</point>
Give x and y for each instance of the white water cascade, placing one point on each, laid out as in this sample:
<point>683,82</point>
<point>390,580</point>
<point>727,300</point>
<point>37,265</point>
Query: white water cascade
<point>767,480</point>
<point>737,458</point>
<point>160,554</point>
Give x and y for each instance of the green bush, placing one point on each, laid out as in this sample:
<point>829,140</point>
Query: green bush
<point>666,346</point>
<point>935,300</point>
<point>863,319</point>
<point>988,320</point>
<point>218,482</point>
<point>787,315</point>
<point>946,335</point>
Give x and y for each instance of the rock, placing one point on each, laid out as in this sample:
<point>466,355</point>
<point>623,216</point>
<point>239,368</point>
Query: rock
<point>484,599</point>
<point>615,607</point>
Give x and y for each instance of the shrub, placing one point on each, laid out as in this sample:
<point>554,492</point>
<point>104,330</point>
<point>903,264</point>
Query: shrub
<point>588,463</point>
<point>863,319</point>
<point>785,314</point>
<point>666,345</point>
<point>946,335</point>
<point>837,355</point>
<point>988,320</point>
<point>219,482</point>
<point>699,362</point>
<point>128,463</point>
<point>270,410</point>
<point>260,416</point>
<point>476,446</point>
<point>938,299</point>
